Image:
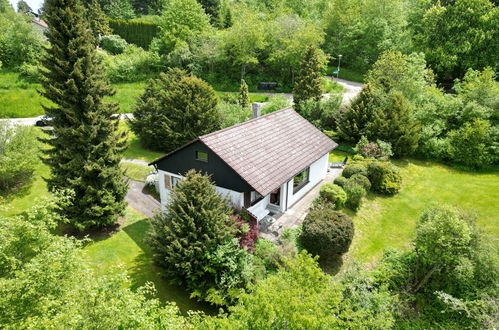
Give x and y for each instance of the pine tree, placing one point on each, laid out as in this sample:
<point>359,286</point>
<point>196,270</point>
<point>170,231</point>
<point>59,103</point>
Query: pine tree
<point>23,7</point>
<point>395,123</point>
<point>175,109</point>
<point>196,221</point>
<point>85,142</point>
<point>98,21</point>
<point>354,120</point>
<point>244,99</point>
<point>308,82</point>
<point>5,6</point>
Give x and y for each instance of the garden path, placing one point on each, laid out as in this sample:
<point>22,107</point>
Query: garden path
<point>295,215</point>
<point>140,201</point>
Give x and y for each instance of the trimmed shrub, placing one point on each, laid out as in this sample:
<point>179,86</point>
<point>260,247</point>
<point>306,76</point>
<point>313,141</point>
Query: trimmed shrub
<point>340,181</point>
<point>113,44</point>
<point>135,32</point>
<point>350,170</point>
<point>355,192</point>
<point>384,178</point>
<point>334,194</point>
<point>327,232</point>
<point>360,180</point>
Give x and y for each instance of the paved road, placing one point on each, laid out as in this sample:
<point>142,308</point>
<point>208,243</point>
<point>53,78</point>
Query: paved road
<point>32,121</point>
<point>352,89</point>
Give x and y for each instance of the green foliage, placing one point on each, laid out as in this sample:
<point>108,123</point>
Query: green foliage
<point>308,85</point>
<point>457,35</point>
<point>85,144</point>
<point>355,193</point>
<point>333,194</point>
<point>137,32</point>
<point>120,9</point>
<point>268,253</point>
<point>384,177</point>
<point>395,124</point>
<point>352,169</point>
<point>355,119</point>
<point>113,44</point>
<point>243,99</point>
<point>181,21</point>
<point>326,232</point>
<point>23,7</point>
<point>473,144</point>
<point>232,113</point>
<point>324,114</point>
<point>299,290</point>
<point>379,149</point>
<point>19,41</point>
<point>340,181</point>
<point>479,87</point>
<point>275,103</point>
<point>18,156</point>
<point>192,242</point>
<point>98,21</point>
<point>64,291</point>
<point>361,180</point>
<point>135,64</point>
<point>175,109</point>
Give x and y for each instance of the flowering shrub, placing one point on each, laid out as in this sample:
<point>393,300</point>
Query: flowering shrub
<point>378,149</point>
<point>247,231</point>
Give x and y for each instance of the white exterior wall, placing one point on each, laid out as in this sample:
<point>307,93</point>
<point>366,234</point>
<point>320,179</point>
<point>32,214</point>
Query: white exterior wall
<point>259,210</point>
<point>318,171</point>
<point>236,199</point>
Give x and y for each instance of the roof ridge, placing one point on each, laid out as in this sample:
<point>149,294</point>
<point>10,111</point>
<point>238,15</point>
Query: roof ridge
<point>246,122</point>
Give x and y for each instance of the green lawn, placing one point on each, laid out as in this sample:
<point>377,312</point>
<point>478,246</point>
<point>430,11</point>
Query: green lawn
<point>128,249</point>
<point>347,74</point>
<point>135,149</point>
<point>384,222</point>
<point>136,172</point>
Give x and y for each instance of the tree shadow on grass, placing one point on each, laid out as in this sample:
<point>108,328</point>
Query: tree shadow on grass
<point>144,270</point>
<point>331,264</point>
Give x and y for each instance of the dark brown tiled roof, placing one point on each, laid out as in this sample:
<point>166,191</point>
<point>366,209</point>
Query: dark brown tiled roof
<point>269,150</point>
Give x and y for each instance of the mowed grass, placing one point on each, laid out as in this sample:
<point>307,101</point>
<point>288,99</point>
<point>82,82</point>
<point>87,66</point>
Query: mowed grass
<point>384,222</point>
<point>136,172</point>
<point>128,249</point>
<point>135,150</point>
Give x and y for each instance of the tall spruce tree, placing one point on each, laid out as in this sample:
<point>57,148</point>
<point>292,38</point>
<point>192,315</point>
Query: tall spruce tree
<point>354,120</point>
<point>98,21</point>
<point>395,123</point>
<point>85,143</point>
<point>308,82</point>
<point>244,99</point>
<point>196,222</point>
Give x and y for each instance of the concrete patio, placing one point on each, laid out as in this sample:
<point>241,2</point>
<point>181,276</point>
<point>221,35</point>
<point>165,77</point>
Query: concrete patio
<point>295,215</point>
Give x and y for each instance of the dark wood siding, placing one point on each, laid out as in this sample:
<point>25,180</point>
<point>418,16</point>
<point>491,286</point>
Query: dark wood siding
<point>183,160</point>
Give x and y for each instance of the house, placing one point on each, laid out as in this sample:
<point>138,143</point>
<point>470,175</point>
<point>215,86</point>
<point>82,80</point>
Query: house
<point>40,25</point>
<point>265,164</point>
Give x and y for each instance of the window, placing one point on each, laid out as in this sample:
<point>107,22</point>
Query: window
<point>175,181</point>
<point>202,156</point>
<point>300,180</point>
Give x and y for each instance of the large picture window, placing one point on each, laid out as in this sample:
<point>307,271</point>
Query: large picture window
<point>300,180</point>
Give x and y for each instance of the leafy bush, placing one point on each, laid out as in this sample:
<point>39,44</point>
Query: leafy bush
<point>31,72</point>
<point>232,113</point>
<point>355,192</point>
<point>275,103</point>
<point>334,194</point>
<point>384,178</point>
<point>472,144</point>
<point>248,232</point>
<point>134,64</point>
<point>350,170</point>
<point>327,232</point>
<point>378,149</point>
<point>268,253</point>
<point>18,155</point>
<point>340,181</point>
<point>113,44</point>
<point>360,180</point>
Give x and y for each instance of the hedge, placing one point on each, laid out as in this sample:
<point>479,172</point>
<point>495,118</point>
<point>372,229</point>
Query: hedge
<point>135,32</point>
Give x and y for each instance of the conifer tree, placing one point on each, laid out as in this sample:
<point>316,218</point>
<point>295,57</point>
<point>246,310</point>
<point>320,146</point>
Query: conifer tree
<point>5,6</point>
<point>308,82</point>
<point>85,143</point>
<point>354,120</point>
<point>244,99</point>
<point>175,109</point>
<point>196,221</point>
<point>395,123</point>
<point>98,20</point>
